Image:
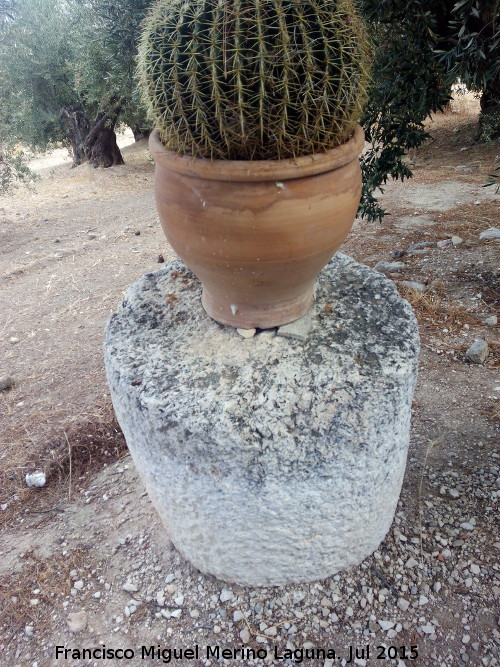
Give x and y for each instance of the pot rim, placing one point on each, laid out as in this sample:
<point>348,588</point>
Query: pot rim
<point>257,170</point>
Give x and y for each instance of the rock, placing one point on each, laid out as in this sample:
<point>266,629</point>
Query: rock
<point>491,234</point>
<point>77,621</point>
<point>466,525</point>
<point>389,267</point>
<point>253,444</point>
<point>6,382</point>
<point>299,329</point>
<point>478,351</point>
<point>176,613</point>
<point>245,635</point>
<point>386,625</point>
<point>403,604</point>
<point>247,333</point>
<point>490,321</point>
<point>445,243</point>
<point>160,259</point>
<point>421,245</point>
<point>466,168</point>
<point>91,237</point>
<point>456,240</point>
<point>36,479</point>
<point>226,595</point>
<point>411,562</point>
<point>422,600</point>
<point>130,588</point>
<point>418,287</point>
<point>78,585</point>
<point>238,616</point>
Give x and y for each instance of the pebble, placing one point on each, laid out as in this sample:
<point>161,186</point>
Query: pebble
<point>456,240</point>
<point>403,604</point>
<point>445,243</point>
<point>490,321</point>
<point>238,616</point>
<point>130,588</point>
<point>176,613</point>
<point>6,382</point>
<point>467,525</point>
<point>226,595</point>
<point>245,635</point>
<point>36,479</point>
<point>491,234</point>
<point>78,585</point>
<point>386,625</point>
<point>77,621</point>
<point>478,351</point>
<point>389,267</point>
<point>247,333</point>
<point>411,562</point>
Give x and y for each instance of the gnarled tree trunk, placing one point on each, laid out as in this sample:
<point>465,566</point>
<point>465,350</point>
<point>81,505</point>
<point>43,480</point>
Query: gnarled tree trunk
<point>101,149</point>
<point>139,132</point>
<point>91,142</point>
<point>76,128</point>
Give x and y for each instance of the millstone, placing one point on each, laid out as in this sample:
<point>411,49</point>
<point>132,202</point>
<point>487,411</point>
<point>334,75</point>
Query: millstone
<point>270,459</point>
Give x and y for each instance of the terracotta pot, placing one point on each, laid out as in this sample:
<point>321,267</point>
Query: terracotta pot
<point>257,233</point>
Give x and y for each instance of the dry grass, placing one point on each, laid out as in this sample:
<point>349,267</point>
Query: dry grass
<point>71,457</point>
<point>50,577</point>
<point>434,311</point>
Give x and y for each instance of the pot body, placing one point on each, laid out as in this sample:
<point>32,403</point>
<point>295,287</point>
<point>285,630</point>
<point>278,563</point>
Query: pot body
<point>257,233</point>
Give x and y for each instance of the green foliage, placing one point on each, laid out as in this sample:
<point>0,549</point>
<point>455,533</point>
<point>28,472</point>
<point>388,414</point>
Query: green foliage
<point>35,80</point>
<point>421,48</point>
<point>104,67</point>
<point>409,83</point>
<point>13,169</point>
<point>254,79</point>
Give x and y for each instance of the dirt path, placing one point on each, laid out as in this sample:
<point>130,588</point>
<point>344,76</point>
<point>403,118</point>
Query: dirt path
<point>69,249</point>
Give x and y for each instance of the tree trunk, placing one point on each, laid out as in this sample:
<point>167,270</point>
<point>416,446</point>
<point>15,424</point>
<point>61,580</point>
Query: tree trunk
<point>140,132</point>
<point>76,127</point>
<point>101,149</point>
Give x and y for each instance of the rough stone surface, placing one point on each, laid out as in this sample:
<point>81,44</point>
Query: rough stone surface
<point>275,461</point>
<point>478,351</point>
<point>491,321</point>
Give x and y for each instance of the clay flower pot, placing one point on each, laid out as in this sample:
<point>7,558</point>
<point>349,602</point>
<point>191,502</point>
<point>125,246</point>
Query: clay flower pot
<point>257,233</point>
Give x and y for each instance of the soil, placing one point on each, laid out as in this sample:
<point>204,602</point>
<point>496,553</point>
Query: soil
<point>70,247</point>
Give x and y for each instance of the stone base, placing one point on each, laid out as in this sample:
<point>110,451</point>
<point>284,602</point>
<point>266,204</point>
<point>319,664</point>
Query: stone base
<point>270,460</point>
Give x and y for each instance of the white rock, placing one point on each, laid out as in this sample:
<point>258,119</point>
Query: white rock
<point>386,625</point>
<point>160,599</point>
<point>456,240</point>
<point>412,284</point>
<point>226,594</point>
<point>411,562</point>
<point>78,585</point>
<point>238,616</point>
<point>179,600</point>
<point>245,635</point>
<point>491,321</point>
<point>428,629</point>
<point>36,479</point>
<point>422,600</point>
<point>130,587</point>
<point>491,234</point>
<point>466,525</point>
<point>297,455</point>
<point>176,613</point>
<point>77,621</point>
<point>247,333</point>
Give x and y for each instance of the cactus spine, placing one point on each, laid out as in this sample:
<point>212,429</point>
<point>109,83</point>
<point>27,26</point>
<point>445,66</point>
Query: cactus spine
<point>253,79</point>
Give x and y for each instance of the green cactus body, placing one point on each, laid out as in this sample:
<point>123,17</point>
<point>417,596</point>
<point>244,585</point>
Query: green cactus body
<point>254,79</point>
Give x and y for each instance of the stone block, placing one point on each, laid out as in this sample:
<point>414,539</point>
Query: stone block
<point>270,460</point>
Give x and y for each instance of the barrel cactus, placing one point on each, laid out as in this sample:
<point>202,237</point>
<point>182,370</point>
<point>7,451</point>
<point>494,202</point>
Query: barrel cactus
<point>254,79</point>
